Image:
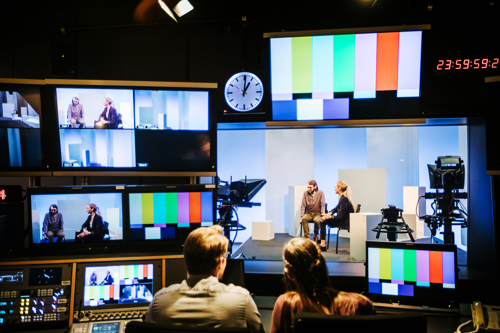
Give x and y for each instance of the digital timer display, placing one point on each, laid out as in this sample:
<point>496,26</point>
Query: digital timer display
<point>462,64</point>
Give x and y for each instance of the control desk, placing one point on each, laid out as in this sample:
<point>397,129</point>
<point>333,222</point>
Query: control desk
<point>34,296</point>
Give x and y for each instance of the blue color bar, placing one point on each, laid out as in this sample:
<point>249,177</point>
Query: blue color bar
<point>206,207</point>
<point>410,49</point>
<point>449,270</point>
<point>365,66</point>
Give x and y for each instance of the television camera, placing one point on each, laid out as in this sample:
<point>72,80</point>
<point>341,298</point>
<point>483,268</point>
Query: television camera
<point>447,177</point>
<point>230,196</point>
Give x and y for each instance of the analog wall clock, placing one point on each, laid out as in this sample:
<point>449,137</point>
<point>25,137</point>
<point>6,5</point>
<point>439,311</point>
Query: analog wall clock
<point>243,91</point>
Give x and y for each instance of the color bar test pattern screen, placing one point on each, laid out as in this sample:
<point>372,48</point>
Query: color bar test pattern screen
<point>307,72</point>
<point>159,215</point>
<point>402,272</point>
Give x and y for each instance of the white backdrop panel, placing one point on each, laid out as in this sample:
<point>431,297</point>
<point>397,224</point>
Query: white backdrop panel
<point>368,188</point>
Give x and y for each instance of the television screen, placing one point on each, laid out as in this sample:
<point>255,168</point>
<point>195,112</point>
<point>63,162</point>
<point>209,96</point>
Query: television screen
<point>131,284</point>
<point>338,76</point>
<point>168,214</point>
<point>412,273</point>
<point>135,130</point>
<point>73,217</point>
<point>20,145</point>
<point>11,227</point>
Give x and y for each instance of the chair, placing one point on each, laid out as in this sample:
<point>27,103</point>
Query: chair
<point>357,208</point>
<point>413,322</point>
<point>141,327</point>
<point>105,230</point>
<point>56,238</point>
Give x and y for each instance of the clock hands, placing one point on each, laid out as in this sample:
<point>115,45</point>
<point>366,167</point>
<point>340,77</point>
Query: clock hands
<point>246,87</point>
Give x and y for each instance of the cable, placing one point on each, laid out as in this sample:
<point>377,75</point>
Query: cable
<point>465,324</point>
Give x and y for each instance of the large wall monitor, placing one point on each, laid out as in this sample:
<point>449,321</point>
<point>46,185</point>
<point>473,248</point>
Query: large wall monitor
<point>163,216</point>
<point>339,74</point>
<point>135,130</point>
<point>412,274</point>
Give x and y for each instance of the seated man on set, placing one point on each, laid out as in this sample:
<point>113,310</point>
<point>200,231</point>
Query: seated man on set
<point>53,224</point>
<point>313,206</point>
<point>202,301</point>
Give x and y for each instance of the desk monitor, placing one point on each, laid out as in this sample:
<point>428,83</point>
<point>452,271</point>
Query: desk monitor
<point>412,274</point>
<point>110,286</point>
<point>163,216</point>
<point>71,202</point>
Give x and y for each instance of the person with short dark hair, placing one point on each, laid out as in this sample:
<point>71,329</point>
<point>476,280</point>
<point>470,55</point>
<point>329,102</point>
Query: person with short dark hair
<point>202,301</point>
<point>53,224</point>
<point>311,209</point>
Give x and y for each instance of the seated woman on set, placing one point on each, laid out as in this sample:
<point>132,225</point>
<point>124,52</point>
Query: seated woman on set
<point>92,227</point>
<point>343,209</point>
<point>308,288</point>
<point>109,117</point>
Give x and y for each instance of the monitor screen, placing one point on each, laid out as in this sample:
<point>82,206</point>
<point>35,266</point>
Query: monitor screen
<point>74,217</point>
<point>11,227</point>
<point>105,286</point>
<point>412,273</point>
<point>168,214</point>
<point>124,129</point>
<point>339,76</point>
<point>20,145</point>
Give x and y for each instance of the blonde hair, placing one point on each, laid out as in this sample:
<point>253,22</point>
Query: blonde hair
<point>352,304</point>
<point>346,190</point>
<point>110,102</point>
<point>96,209</point>
<point>203,249</point>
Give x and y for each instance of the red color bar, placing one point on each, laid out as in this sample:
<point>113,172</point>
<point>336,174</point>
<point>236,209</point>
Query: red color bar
<point>195,207</point>
<point>111,291</point>
<point>436,267</point>
<point>387,61</point>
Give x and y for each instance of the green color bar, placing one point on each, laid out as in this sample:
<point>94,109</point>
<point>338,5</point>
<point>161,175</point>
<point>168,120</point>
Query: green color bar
<point>385,264</point>
<point>410,260</point>
<point>171,207</point>
<point>301,65</point>
<point>343,63</point>
<point>136,271</point>
<point>147,209</point>
<point>101,292</point>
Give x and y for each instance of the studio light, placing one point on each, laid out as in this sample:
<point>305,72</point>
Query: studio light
<point>180,8</point>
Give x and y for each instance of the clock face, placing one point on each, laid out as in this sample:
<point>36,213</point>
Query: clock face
<point>243,91</point>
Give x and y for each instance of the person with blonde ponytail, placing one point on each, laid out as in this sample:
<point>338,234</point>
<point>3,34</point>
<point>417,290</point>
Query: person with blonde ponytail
<point>342,211</point>
<point>307,285</point>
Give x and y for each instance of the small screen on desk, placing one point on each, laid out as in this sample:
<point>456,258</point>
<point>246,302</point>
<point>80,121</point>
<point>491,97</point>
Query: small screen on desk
<point>118,284</point>
<point>411,273</point>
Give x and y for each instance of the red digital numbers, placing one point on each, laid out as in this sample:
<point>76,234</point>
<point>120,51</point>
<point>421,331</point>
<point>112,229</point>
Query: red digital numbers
<point>494,64</point>
<point>476,63</point>
<point>3,195</point>
<point>484,63</point>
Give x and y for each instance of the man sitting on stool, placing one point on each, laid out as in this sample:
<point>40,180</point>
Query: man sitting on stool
<point>53,224</point>
<point>202,301</point>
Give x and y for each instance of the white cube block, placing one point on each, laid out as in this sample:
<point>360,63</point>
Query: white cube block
<point>263,230</point>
